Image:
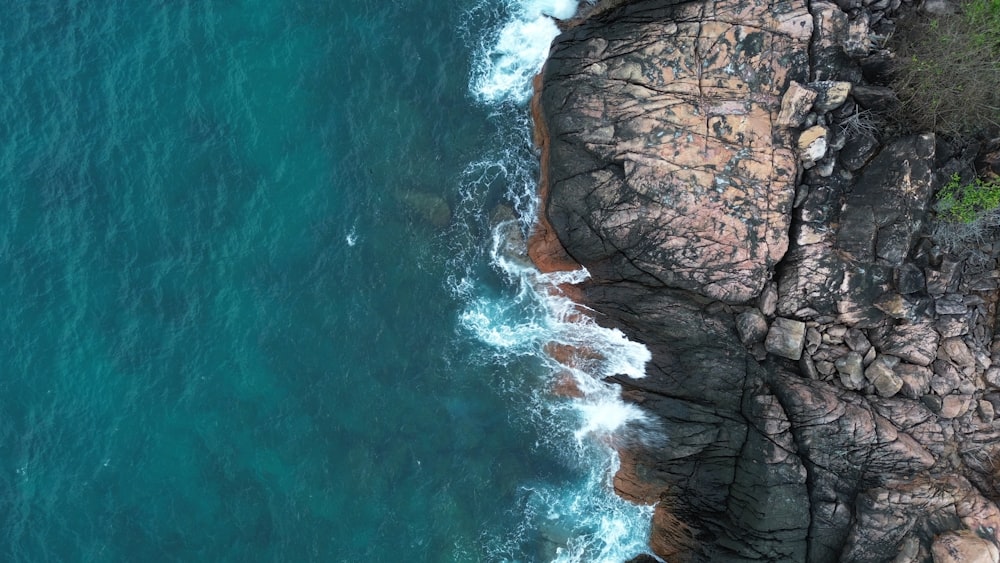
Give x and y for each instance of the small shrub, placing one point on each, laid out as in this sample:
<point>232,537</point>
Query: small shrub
<point>966,211</point>
<point>947,73</point>
<point>959,203</point>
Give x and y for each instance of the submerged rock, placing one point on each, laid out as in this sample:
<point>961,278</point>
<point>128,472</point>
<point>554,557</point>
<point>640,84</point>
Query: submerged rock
<point>429,207</point>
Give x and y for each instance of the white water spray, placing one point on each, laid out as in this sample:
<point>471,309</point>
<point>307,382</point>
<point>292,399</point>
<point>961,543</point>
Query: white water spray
<point>582,521</point>
<point>512,56</point>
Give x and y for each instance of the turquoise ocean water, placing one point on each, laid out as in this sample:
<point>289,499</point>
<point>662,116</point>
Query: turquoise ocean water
<point>252,303</point>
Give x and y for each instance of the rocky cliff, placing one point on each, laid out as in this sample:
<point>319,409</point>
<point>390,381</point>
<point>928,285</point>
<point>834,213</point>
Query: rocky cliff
<point>822,371</point>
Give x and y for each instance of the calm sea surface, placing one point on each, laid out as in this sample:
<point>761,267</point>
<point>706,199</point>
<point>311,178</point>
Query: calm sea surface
<point>251,307</point>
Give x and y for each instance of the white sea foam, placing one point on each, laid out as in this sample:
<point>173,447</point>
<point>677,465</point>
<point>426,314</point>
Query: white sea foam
<point>583,520</point>
<point>509,58</point>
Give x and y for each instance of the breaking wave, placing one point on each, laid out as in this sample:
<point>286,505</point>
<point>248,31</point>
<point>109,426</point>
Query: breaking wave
<point>509,57</point>
<point>581,416</point>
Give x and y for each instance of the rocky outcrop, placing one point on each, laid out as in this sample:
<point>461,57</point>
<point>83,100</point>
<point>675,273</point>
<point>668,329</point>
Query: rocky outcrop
<point>625,200</point>
<point>825,376</point>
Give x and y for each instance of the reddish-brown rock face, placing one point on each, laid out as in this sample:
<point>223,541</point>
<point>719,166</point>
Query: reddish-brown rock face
<point>849,413</point>
<point>664,163</point>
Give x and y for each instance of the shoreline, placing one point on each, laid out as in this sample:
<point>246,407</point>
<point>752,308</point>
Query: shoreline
<point>844,408</point>
<point>545,250</point>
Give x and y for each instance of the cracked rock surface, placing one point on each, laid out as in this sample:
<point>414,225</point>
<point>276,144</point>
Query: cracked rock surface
<point>824,377</point>
<point>663,166</point>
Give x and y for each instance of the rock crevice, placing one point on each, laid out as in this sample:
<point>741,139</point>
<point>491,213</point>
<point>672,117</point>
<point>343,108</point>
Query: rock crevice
<point>823,373</point>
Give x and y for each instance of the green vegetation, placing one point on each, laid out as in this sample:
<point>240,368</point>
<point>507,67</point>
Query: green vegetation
<point>966,211</point>
<point>948,69</point>
<point>959,203</point>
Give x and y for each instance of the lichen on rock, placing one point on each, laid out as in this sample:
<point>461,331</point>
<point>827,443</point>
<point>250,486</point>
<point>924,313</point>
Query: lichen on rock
<point>825,377</point>
<point>666,165</point>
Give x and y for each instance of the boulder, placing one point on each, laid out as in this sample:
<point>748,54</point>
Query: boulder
<point>916,380</point>
<point>909,279</point>
<point>958,352</point>
<point>916,343</point>
<point>881,374</point>
<point>874,97</point>
<point>786,338</point>
<point>951,304</point>
<point>752,326</point>
<point>887,206</point>
<point>943,279</point>
<point>812,145</point>
<point>954,406</point>
<point>795,105</point>
<point>831,94</point>
<point>963,547</point>
<point>858,42</point>
<point>986,411</point>
<point>858,150</point>
<point>946,378</point>
<point>827,49</point>
<point>851,370</point>
<point>857,341</point>
<point>768,300</point>
<point>992,377</point>
<point>662,164</point>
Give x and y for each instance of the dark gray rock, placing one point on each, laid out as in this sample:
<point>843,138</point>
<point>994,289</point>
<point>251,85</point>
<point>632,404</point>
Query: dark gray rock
<point>916,343</point>
<point>933,402</point>
<point>951,304</point>
<point>916,380</point>
<point>752,326</point>
<point>852,371</point>
<point>877,68</point>
<point>827,57</point>
<point>943,279</point>
<point>878,98</point>
<point>946,378</point>
<point>808,367</point>
<point>881,373</point>
<point>910,279</point>
<point>857,341</point>
<point>889,201</point>
<point>950,325</point>
<point>858,150</point>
